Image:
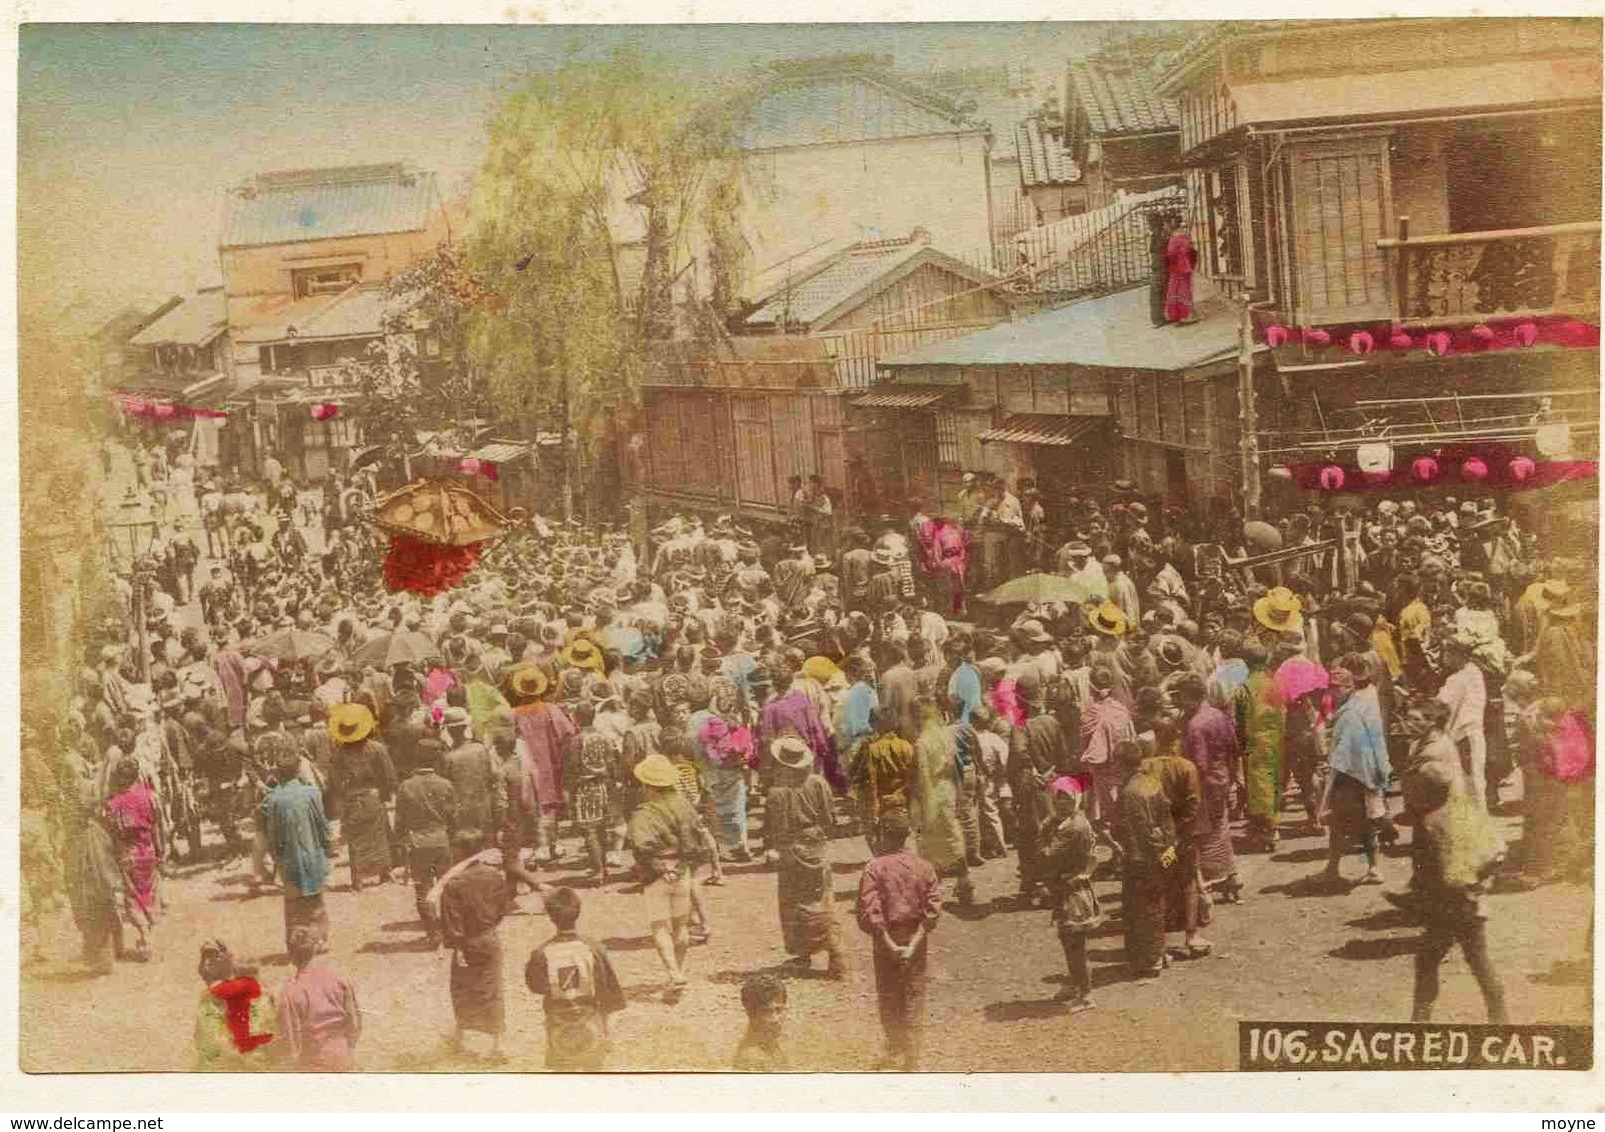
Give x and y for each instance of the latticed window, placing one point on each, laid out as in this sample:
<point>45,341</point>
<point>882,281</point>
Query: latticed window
<point>1225,224</point>
<point>947,440</point>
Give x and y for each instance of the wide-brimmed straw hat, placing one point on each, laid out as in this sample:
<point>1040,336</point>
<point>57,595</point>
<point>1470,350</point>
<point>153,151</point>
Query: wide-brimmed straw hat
<point>529,682</point>
<point>350,723</point>
<point>656,770</point>
<point>790,750</point>
<point>1108,619</point>
<point>1279,610</point>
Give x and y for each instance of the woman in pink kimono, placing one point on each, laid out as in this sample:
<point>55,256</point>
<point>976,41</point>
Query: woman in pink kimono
<point>1181,257</point>
<point>135,817</point>
<point>543,732</point>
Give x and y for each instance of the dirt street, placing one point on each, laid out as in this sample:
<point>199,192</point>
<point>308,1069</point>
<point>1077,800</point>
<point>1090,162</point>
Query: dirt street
<point>1288,952</point>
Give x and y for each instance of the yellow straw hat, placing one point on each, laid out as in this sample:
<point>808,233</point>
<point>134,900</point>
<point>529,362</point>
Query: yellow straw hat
<point>656,770</point>
<point>350,723</point>
<point>1279,610</point>
<point>528,682</point>
<point>1108,619</point>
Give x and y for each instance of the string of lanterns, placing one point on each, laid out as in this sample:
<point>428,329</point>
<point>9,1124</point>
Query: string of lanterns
<point>1373,470</point>
<point>1492,334</point>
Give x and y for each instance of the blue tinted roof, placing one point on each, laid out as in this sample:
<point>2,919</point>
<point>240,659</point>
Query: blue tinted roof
<point>289,208</point>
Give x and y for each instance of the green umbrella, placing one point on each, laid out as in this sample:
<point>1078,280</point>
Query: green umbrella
<point>1035,589</point>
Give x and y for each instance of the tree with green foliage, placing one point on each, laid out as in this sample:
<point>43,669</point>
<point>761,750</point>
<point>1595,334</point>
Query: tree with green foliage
<point>602,183</point>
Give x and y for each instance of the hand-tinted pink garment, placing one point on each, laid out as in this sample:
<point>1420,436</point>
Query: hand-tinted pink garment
<point>438,683</point>
<point>319,1019</point>
<point>1180,259</point>
<point>546,731</point>
<point>231,676</point>
<point>133,815</point>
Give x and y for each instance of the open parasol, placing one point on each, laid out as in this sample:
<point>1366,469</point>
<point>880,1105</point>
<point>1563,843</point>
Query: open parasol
<point>1035,589</point>
<point>292,644</point>
<point>1298,676</point>
<point>404,646</point>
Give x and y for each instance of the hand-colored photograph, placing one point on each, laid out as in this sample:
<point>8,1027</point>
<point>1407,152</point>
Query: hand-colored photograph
<point>946,548</point>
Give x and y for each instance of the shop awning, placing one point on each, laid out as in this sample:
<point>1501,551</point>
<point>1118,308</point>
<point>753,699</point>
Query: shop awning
<point>1044,429</point>
<point>901,399</point>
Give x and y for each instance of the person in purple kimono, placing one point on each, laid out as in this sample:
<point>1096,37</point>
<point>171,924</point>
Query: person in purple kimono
<point>1210,744</point>
<point>543,733</point>
<point>794,713</point>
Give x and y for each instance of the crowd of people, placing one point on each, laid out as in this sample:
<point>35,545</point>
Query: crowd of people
<point>650,714</point>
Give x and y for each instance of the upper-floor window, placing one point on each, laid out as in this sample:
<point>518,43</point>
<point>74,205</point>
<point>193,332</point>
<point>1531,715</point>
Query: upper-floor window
<point>1225,232</point>
<point>310,281</point>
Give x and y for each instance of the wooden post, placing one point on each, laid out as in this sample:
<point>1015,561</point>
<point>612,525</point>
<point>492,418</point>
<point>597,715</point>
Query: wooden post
<point>1401,271</point>
<point>1248,410</point>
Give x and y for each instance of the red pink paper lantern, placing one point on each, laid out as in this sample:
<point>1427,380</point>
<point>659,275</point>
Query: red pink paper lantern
<point>1525,334</point>
<point>1361,342</point>
<point>1276,337</point>
<point>1522,469</point>
<point>1484,335</point>
<point>1424,469</point>
<point>1440,343</point>
<point>1332,478</point>
<point>1317,338</point>
<point>1399,340</point>
<point>1474,469</point>
<point>324,411</point>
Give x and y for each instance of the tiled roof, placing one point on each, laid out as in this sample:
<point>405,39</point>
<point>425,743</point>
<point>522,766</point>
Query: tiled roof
<point>1043,158</point>
<point>194,322</point>
<point>358,312</point>
<point>806,298</point>
<point>291,208</point>
<point>849,104</point>
<point>268,318</point>
<point>854,274</point>
<point>1121,100</point>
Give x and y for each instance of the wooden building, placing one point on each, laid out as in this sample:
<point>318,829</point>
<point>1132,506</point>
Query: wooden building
<point>727,425</point>
<point>1077,397</point>
<point>305,256</point>
<point>1415,213</point>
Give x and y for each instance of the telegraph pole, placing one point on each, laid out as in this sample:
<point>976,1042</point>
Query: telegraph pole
<point>1248,412</point>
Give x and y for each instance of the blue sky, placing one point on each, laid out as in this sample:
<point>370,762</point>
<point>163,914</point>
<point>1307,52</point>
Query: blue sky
<point>129,133</point>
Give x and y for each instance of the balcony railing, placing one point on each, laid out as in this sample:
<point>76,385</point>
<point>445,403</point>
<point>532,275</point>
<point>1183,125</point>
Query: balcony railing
<point>1469,276</point>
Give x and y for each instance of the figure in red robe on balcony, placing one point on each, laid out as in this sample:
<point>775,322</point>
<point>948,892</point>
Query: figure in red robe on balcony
<point>1181,257</point>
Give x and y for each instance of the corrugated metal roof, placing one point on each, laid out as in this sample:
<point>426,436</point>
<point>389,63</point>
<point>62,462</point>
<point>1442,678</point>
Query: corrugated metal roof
<point>1044,429</point>
<point>351,202</point>
<point>1122,100</point>
<point>194,322</point>
<point>833,110</point>
<point>1111,332</point>
<point>901,399</point>
<point>1043,158</point>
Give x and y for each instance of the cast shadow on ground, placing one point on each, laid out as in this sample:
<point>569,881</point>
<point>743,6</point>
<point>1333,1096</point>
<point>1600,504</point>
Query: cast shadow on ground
<point>1383,947</point>
<point>1566,973</point>
<point>1300,856</point>
<point>71,975</point>
<point>397,946</point>
<point>628,943</point>
<point>735,976</point>
<point>1385,920</point>
<point>1314,885</point>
